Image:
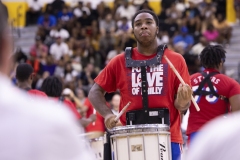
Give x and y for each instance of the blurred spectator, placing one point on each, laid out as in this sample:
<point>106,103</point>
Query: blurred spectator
<point>211,34</point>
<point>173,12</point>
<point>49,66</point>
<point>192,62</point>
<point>221,7</point>
<point>107,24</point>
<point>65,15</point>
<point>34,11</point>
<point>111,54</point>
<point>47,21</point>
<point>207,9</point>
<point>20,56</point>
<point>78,11</point>
<point>184,39</point>
<point>4,9</point>
<point>59,49</point>
<point>87,76</point>
<point>57,6</point>
<point>192,19</point>
<point>39,50</point>
<point>85,20</point>
<point>181,6</point>
<point>53,87</point>
<point>69,73</point>
<point>96,128</point>
<point>125,10</point>
<point>167,3</point>
<point>107,43</point>
<point>25,76</point>
<point>59,31</point>
<point>59,70</point>
<point>170,26</point>
<point>41,79</point>
<point>145,5</point>
<point>237,9</point>
<point>224,29</point>
<point>197,48</point>
<point>123,26</point>
<point>115,103</point>
<point>69,95</point>
<point>93,11</point>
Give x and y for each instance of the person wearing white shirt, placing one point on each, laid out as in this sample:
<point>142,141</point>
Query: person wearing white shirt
<point>34,128</point>
<point>59,49</point>
<point>126,10</point>
<point>34,11</point>
<point>59,31</point>
<point>78,11</point>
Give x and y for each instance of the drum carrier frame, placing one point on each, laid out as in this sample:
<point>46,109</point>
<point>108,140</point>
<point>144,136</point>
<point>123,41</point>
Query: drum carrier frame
<point>146,115</point>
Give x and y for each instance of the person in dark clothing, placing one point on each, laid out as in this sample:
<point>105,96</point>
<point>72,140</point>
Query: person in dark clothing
<point>5,10</point>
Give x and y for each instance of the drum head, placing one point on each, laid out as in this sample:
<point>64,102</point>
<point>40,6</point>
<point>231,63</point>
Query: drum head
<point>139,128</point>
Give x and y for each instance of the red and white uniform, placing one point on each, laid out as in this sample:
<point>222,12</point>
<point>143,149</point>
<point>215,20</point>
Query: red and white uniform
<point>162,85</point>
<point>210,106</point>
<point>98,125</point>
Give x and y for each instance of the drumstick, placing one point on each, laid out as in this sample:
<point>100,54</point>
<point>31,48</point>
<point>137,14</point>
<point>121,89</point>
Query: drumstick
<point>122,111</point>
<point>181,80</point>
<point>94,112</point>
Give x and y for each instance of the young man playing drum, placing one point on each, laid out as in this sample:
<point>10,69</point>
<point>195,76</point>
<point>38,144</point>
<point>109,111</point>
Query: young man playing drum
<point>164,90</point>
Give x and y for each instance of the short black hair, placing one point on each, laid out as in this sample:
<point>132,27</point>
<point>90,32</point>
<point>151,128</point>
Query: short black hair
<point>52,86</point>
<point>145,11</point>
<point>23,72</point>
<point>212,56</point>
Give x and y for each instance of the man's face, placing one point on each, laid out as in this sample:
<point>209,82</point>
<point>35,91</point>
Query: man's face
<point>145,29</point>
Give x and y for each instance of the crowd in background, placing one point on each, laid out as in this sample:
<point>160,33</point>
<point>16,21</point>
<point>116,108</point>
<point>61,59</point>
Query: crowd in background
<point>75,42</point>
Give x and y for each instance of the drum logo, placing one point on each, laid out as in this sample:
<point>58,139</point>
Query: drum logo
<point>162,150</point>
<point>136,148</point>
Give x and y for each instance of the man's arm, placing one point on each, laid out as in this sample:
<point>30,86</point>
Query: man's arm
<point>96,97</point>
<point>235,102</point>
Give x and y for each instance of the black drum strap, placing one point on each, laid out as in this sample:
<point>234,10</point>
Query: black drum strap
<point>144,88</point>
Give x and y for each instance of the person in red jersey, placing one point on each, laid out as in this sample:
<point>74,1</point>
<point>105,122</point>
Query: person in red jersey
<point>25,76</point>
<point>97,127</point>
<point>164,88</point>
<point>53,87</point>
<point>215,93</point>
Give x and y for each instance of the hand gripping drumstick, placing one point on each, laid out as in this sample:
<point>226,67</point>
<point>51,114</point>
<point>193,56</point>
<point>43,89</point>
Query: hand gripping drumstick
<point>122,111</point>
<point>181,80</point>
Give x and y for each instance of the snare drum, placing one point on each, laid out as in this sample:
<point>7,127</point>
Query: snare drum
<point>141,142</point>
<point>97,146</point>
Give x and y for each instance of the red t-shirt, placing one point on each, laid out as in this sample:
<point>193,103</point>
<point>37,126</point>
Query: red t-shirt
<point>37,93</point>
<point>99,123</point>
<point>71,106</point>
<point>162,85</point>
<point>210,106</point>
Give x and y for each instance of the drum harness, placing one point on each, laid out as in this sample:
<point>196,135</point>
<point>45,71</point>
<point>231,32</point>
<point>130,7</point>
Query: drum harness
<point>146,115</point>
<point>207,80</point>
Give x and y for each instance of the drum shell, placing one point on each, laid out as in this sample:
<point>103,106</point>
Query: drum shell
<point>141,142</point>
